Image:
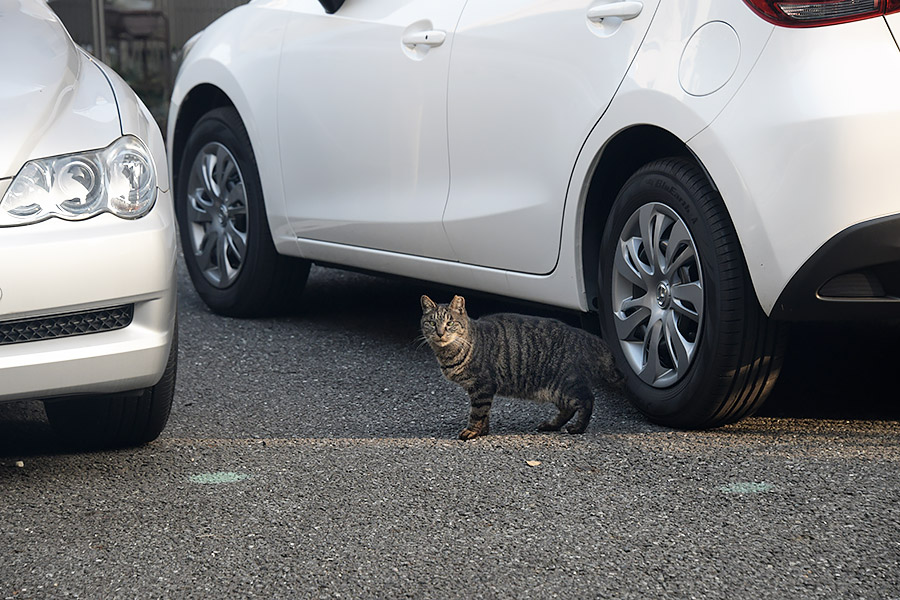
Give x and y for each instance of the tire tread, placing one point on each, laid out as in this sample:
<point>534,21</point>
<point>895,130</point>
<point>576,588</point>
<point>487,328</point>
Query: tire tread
<point>118,420</point>
<point>750,346</point>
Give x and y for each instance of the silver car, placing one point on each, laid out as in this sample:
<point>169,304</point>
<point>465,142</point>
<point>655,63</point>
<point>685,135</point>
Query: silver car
<point>87,240</point>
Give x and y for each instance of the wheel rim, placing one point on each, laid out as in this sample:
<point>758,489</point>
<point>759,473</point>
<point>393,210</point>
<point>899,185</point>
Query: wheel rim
<point>217,219</point>
<point>657,295</point>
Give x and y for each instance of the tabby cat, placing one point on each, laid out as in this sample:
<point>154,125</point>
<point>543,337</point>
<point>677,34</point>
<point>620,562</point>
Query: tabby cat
<point>521,357</point>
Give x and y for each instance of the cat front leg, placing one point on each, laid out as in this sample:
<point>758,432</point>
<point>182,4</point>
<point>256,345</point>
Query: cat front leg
<point>479,416</point>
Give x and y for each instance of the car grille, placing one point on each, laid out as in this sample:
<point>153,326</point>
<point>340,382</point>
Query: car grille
<point>68,325</point>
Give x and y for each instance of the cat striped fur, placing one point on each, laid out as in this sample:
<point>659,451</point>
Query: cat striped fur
<point>518,356</point>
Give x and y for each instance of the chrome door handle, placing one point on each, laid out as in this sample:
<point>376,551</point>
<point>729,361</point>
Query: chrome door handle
<point>622,10</point>
<point>424,38</point>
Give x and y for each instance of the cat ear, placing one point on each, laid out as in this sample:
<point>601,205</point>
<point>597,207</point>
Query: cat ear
<point>458,304</point>
<point>428,304</point>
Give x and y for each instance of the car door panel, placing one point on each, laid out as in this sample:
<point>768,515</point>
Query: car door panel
<point>528,81</point>
<point>362,107</point>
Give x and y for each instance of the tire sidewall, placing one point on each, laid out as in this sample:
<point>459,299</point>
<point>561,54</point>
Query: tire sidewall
<point>694,398</point>
<point>117,420</point>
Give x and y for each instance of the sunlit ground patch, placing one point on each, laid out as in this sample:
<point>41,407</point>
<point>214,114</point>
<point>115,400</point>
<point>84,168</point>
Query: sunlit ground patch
<point>746,487</point>
<point>220,477</point>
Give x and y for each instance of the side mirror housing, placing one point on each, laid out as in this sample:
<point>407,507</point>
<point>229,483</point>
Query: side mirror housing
<point>331,6</point>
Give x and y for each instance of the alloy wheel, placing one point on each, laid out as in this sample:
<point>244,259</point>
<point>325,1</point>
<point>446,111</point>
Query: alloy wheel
<point>657,295</point>
<point>217,215</point>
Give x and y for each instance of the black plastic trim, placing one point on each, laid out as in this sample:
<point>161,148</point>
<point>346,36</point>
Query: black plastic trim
<point>871,250</point>
<point>65,325</point>
<point>331,6</point>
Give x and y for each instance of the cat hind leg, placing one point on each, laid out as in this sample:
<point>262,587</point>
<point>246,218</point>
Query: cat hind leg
<point>576,401</point>
<point>556,423</point>
<point>584,409</point>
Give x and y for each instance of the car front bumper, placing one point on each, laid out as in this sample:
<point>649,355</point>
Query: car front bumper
<point>55,268</point>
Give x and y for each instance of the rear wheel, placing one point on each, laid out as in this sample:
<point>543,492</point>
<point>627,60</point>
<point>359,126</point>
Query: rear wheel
<point>677,305</point>
<point>117,420</point>
<point>225,234</point>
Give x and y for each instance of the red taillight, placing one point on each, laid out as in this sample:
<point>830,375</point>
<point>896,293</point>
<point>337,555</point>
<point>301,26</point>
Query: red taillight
<point>813,13</point>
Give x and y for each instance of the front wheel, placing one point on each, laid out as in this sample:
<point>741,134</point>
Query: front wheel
<point>677,305</point>
<point>117,420</point>
<point>225,236</point>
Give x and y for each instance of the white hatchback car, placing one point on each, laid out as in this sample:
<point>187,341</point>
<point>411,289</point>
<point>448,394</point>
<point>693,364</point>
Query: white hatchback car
<point>694,173</point>
<point>87,235</point>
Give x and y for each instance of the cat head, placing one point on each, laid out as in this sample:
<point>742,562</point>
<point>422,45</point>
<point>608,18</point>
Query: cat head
<point>444,324</point>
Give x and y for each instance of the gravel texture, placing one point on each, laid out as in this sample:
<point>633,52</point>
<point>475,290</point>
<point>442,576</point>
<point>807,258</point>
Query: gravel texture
<point>314,456</point>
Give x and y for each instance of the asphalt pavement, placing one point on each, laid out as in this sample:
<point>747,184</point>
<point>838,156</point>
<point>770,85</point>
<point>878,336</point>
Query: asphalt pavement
<point>315,456</point>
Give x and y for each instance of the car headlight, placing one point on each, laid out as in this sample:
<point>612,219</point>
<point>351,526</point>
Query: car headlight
<point>120,179</point>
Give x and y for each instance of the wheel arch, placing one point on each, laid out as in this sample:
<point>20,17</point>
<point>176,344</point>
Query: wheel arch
<point>625,153</point>
<point>196,103</point>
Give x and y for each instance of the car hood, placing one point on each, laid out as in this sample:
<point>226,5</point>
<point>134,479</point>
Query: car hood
<point>53,98</point>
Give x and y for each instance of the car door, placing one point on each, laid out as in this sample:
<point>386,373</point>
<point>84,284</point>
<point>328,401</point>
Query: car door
<point>528,81</point>
<point>362,107</point>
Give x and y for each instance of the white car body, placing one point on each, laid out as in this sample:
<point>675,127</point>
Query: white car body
<point>480,160</point>
<point>58,100</point>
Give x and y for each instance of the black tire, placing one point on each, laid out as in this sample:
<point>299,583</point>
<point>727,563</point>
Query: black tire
<point>117,420</point>
<point>727,353</point>
<point>243,275</point>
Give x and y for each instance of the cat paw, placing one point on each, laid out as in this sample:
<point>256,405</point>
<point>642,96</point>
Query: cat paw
<point>576,429</point>
<point>469,433</point>
<point>549,426</point>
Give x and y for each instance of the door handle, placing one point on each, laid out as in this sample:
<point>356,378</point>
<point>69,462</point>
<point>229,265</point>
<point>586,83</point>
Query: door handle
<point>424,38</point>
<point>622,10</point>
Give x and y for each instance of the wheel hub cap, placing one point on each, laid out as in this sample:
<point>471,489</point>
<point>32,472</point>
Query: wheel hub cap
<point>223,216</point>
<point>217,215</point>
<point>657,295</point>
<point>663,295</point>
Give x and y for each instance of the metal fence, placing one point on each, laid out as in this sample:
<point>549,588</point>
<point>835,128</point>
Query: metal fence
<point>187,17</point>
<point>140,39</point>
